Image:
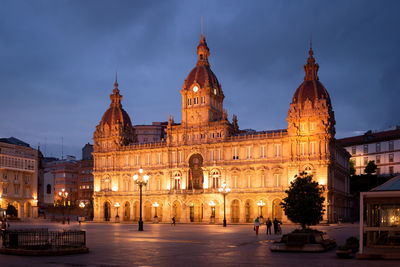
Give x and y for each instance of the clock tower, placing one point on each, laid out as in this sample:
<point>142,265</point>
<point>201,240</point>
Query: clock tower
<point>202,96</point>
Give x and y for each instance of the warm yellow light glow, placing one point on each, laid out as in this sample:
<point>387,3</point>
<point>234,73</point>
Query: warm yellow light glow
<point>168,187</point>
<point>140,170</point>
<point>156,204</point>
<point>82,205</point>
<point>261,203</point>
<point>117,205</point>
<point>135,177</point>
<point>115,188</point>
<point>97,189</point>
<point>212,203</point>
<point>146,178</point>
<point>322,182</point>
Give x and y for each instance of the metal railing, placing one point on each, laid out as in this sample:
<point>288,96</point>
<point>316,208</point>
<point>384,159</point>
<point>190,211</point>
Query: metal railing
<point>40,239</point>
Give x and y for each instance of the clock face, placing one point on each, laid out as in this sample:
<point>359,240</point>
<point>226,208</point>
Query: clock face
<point>195,89</point>
<point>215,91</point>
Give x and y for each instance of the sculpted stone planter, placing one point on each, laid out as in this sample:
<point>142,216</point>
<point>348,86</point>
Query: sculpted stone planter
<point>303,241</point>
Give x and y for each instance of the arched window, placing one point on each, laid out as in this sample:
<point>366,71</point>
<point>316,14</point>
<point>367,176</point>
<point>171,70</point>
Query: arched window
<point>215,179</point>
<point>106,184</point>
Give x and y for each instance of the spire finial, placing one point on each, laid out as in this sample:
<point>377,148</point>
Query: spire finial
<point>201,25</point>
<point>311,68</point>
<point>116,80</point>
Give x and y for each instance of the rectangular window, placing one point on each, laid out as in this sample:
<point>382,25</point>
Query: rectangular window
<point>180,156</point>
<point>378,171</point>
<point>378,159</point>
<point>303,148</point>
<point>391,170</point>
<point>211,155</point>
<point>313,148</point>
<point>16,189</point>
<point>235,153</point>
<point>262,181</point>
<point>203,100</point>
<point>249,181</point>
<point>218,154</point>
<point>277,180</point>
<point>189,101</point>
<point>353,150</point>
<point>137,161</point>
<point>234,182</point>
<point>378,147</point>
<point>195,100</point>
<point>365,160</point>
<point>126,160</point>
<point>391,145</point>
<point>302,126</point>
<point>262,154</point>
<point>148,159</point>
<point>159,158</point>
<point>173,157</point>
<point>391,157</point>
<point>312,126</point>
<point>249,152</point>
<point>365,149</point>
<point>277,150</point>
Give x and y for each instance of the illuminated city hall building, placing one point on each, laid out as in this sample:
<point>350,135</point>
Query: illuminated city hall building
<point>205,151</point>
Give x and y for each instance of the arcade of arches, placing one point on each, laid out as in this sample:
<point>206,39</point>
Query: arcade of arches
<point>197,210</point>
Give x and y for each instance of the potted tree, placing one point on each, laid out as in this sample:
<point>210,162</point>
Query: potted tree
<point>304,205</point>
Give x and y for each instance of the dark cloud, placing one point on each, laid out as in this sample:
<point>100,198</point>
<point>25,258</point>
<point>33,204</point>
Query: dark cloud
<point>58,60</point>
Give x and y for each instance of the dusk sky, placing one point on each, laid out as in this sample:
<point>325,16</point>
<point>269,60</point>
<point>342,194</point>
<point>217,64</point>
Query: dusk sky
<point>58,61</point>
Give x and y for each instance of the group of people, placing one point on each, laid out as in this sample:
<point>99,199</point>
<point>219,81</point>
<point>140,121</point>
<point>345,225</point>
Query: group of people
<point>276,223</point>
<point>4,226</point>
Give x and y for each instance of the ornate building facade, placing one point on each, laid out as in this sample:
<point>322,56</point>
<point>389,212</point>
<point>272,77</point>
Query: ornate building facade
<point>206,150</point>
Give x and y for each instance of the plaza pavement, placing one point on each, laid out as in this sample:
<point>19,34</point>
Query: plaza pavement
<point>185,245</point>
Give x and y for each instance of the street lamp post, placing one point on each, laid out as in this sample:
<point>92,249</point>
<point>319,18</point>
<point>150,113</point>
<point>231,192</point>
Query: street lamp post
<point>140,180</point>
<point>116,205</point>
<point>224,190</point>
<point>155,205</point>
<point>63,195</point>
<point>212,205</point>
<point>261,204</point>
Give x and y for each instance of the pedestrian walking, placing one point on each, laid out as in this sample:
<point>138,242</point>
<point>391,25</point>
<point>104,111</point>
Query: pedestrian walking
<point>68,219</point>
<point>277,228</point>
<point>269,224</point>
<point>257,224</point>
<point>173,221</point>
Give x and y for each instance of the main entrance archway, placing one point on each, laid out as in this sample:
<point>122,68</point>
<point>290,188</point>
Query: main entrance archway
<point>195,172</point>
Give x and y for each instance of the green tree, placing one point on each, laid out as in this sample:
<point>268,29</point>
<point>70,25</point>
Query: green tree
<point>352,165</point>
<point>371,167</point>
<point>304,201</point>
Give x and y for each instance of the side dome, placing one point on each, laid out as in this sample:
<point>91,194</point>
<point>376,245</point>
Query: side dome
<point>202,75</point>
<point>311,89</point>
<point>115,114</point>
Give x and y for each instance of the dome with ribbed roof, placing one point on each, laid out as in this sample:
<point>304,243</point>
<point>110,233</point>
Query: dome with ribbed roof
<point>115,114</point>
<point>311,89</point>
<point>202,75</point>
